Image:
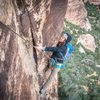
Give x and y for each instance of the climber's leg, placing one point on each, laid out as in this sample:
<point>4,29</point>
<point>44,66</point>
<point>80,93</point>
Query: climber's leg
<point>49,80</point>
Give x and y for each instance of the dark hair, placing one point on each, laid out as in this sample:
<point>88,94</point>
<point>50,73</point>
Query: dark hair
<point>69,38</point>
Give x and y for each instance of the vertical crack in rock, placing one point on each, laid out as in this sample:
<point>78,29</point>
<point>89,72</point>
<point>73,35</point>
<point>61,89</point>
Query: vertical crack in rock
<point>18,68</point>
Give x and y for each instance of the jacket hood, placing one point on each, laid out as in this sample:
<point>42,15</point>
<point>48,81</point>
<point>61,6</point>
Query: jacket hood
<point>69,38</point>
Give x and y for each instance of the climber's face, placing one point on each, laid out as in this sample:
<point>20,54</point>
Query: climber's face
<point>62,39</point>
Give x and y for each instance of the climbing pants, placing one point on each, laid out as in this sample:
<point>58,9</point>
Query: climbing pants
<point>50,79</point>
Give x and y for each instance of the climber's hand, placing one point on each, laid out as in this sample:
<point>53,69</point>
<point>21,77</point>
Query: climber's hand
<point>40,48</point>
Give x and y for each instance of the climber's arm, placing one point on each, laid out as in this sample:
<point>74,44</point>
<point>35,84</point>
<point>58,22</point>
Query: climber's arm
<point>52,49</point>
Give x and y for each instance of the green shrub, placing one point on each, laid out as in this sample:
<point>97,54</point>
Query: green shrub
<point>80,79</point>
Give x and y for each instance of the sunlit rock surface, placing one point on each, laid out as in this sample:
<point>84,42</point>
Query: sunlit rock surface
<point>77,14</point>
<point>41,23</point>
<point>87,41</point>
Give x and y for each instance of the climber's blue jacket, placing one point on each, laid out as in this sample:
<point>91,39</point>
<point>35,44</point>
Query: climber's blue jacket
<point>60,50</point>
<point>57,52</point>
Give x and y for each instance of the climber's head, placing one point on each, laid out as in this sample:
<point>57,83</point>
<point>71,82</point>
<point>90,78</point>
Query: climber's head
<point>65,38</point>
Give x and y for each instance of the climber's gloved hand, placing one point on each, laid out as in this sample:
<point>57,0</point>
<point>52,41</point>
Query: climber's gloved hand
<point>40,48</point>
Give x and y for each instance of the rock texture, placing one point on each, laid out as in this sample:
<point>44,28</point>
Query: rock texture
<point>17,66</point>
<point>22,68</point>
<point>77,14</point>
<point>87,41</point>
<point>39,22</point>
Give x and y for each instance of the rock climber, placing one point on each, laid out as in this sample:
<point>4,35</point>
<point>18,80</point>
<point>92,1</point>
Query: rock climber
<point>57,60</point>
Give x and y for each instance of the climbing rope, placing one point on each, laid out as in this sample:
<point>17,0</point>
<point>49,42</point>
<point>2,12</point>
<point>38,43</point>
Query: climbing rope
<point>27,41</point>
<point>2,24</point>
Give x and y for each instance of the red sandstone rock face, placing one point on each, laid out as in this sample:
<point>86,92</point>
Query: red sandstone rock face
<point>77,14</point>
<point>87,41</point>
<point>20,76</point>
